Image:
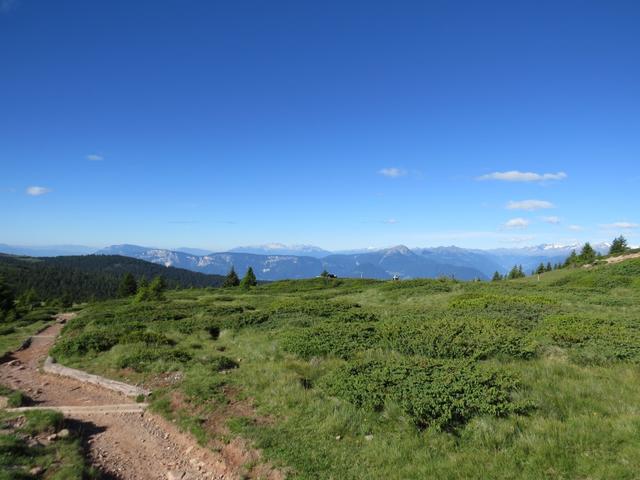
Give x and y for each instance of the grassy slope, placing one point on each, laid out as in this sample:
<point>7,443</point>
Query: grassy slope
<point>13,333</point>
<point>572,339</point>
<point>58,460</point>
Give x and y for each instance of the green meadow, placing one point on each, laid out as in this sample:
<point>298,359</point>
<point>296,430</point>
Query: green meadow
<point>360,379</point>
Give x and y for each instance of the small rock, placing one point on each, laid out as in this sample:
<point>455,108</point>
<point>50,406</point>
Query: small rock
<point>175,475</point>
<point>52,437</point>
<point>4,402</point>
<point>64,433</point>
<point>368,438</point>
<point>338,437</point>
<point>36,471</point>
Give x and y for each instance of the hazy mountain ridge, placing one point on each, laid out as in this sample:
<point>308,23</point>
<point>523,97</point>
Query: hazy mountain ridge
<point>400,260</point>
<point>380,264</point>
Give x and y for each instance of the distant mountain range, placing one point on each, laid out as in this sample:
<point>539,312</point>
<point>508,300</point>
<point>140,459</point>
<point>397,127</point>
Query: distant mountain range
<point>47,250</point>
<point>277,262</point>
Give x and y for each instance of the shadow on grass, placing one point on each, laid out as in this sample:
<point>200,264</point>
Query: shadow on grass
<point>86,431</point>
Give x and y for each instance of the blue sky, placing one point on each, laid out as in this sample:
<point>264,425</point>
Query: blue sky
<point>340,124</point>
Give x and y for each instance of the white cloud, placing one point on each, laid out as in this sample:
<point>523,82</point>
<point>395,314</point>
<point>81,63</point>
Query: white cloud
<point>552,220</point>
<point>37,191</point>
<point>94,157</point>
<point>529,205</point>
<point>392,172</point>
<point>620,225</point>
<point>516,176</point>
<point>391,221</point>
<point>517,223</point>
<point>575,228</point>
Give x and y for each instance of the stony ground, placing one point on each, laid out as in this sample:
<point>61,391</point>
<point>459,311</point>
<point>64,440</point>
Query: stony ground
<point>123,445</point>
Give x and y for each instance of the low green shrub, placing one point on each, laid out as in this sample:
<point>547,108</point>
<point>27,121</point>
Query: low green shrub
<point>434,393</point>
<point>90,341</point>
<point>423,285</point>
<point>341,340</point>
<point>218,363</point>
<point>143,359</point>
<point>522,312</point>
<point>316,308</point>
<point>151,339</point>
<point>592,339</point>
<point>473,337</point>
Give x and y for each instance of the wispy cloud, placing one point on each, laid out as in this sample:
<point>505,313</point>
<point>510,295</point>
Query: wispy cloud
<point>94,157</point>
<point>620,225</point>
<point>391,221</point>
<point>529,205</point>
<point>575,228</point>
<point>392,172</point>
<point>517,176</point>
<point>35,191</point>
<point>552,220</point>
<point>517,223</point>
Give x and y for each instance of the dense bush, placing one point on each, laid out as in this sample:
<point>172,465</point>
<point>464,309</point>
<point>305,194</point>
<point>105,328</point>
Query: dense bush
<point>439,393</point>
<point>452,336</point>
<point>218,363</point>
<point>331,338</point>
<point>91,341</point>
<point>594,339</point>
<point>141,359</point>
<point>423,285</point>
<point>523,312</point>
<point>317,308</point>
<point>150,339</point>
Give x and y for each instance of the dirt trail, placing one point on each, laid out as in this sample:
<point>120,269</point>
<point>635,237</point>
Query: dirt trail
<point>620,258</point>
<point>122,444</point>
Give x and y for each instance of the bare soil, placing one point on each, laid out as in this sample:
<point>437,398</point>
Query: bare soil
<point>123,444</point>
<point>620,258</point>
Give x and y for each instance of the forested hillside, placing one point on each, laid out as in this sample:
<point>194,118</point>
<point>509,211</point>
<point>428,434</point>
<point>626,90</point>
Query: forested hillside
<point>82,278</point>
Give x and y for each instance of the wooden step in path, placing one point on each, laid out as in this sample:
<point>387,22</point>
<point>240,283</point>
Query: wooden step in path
<point>129,390</point>
<point>85,410</point>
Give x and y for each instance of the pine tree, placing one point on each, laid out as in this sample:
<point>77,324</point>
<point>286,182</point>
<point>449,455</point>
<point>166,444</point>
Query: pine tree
<point>548,267</point>
<point>6,299</point>
<point>541,269</point>
<point>516,272</point>
<point>619,245</point>
<point>496,277</point>
<point>157,288</point>
<point>28,299</point>
<point>128,286</point>
<point>571,259</point>
<point>588,254</point>
<point>231,279</point>
<point>249,279</point>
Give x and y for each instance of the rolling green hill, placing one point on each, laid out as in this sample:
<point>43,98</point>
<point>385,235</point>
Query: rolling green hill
<point>361,379</point>
<point>87,277</point>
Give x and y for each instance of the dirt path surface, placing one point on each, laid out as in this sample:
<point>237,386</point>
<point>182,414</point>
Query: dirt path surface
<point>123,444</point>
<point>620,258</point>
